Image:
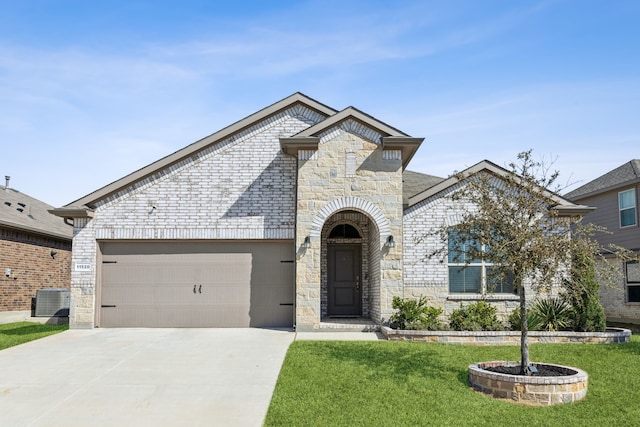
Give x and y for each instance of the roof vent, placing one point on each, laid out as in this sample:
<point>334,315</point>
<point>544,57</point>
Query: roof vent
<point>7,178</point>
<point>52,302</point>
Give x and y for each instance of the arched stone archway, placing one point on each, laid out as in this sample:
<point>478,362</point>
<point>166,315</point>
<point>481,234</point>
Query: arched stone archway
<point>368,249</point>
<point>350,203</point>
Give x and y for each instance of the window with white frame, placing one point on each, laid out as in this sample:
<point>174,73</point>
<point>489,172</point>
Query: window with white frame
<point>632,274</point>
<point>472,277</point>
<point>627,205</point>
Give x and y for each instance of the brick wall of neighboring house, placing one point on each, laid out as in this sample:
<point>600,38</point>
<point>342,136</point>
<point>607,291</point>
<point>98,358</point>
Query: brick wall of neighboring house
<point>32,267</point>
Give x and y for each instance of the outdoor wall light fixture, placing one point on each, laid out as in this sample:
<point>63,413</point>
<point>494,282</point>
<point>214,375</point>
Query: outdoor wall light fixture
<point>307,242</point>
<point>390,242</point>
<point>53,254</point>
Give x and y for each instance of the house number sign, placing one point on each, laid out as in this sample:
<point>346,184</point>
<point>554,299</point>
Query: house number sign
<point>83,266</point>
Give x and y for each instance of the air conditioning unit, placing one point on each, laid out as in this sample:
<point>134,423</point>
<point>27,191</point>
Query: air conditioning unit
<point>52,302</point>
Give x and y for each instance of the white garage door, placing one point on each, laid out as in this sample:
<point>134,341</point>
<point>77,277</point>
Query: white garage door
<point>197,284</point>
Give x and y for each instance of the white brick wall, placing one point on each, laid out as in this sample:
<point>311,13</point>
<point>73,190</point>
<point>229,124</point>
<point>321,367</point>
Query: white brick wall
<point>81,310</point>
<point>429,276</point>
<point>240,188</point>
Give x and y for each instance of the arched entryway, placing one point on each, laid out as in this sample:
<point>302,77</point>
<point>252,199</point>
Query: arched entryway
<point>349,275</point>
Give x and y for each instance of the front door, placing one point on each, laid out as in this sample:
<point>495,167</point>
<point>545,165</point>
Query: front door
<point>343,266</point>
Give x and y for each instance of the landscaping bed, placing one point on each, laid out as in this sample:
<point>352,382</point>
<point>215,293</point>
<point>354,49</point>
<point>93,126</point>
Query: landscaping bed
<point>610,336</point>
<point>549,385</point>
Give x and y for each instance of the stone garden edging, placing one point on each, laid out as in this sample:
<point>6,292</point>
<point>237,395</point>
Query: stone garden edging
<point>531,390</point>
<point>611,336</point>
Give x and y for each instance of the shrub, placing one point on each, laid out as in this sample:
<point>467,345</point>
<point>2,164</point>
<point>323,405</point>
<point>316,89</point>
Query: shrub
<point>583,294</point>
<point>554,314</point>
<point>533,321</point>
<point>414,314</point>
<point>480,316</point>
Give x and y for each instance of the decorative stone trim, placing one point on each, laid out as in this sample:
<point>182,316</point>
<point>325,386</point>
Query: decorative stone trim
<point>350,164</point>
<point>194,233</point>
<point>353,127</point>
<point>611,336</point>
<point>533,390</point>
<point>354,203</point>
<point>392,155</point>
<point>483,297</point>
<point>308,155</point>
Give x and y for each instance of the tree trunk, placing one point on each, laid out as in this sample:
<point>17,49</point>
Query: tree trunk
<point>525,368</point>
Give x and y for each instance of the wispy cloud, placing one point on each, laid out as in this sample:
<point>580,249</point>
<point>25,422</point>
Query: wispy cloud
<point>84,105</point>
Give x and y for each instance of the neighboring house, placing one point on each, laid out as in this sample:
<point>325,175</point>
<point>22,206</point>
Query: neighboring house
<point>615,195</point>
<point>35,252</point>
<point>296,214</point>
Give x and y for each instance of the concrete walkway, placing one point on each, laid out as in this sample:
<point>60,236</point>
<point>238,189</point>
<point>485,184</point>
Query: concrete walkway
<point>142,377</point>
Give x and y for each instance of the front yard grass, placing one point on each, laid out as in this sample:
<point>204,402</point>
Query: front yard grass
<point>343,383</point>
<point>12,334</point>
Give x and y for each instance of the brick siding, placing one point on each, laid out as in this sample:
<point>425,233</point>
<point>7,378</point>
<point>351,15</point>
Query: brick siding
<point>32,267</point>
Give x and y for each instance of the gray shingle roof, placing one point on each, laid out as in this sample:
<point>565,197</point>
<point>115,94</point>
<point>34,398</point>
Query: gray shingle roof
<point>19,211</point>
<point>622,175</point>
<point>415,183</point>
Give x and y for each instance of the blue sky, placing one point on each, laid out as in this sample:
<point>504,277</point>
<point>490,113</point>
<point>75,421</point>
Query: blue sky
<point>91,91</point>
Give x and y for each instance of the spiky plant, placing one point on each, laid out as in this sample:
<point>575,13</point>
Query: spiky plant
<point>554,314</point>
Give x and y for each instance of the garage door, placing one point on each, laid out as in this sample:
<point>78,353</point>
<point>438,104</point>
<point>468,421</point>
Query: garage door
<point>221,284</point>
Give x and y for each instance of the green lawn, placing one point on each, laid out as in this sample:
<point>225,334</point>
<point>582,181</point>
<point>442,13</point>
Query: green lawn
<point>12,334</point>
<point>384,383</point>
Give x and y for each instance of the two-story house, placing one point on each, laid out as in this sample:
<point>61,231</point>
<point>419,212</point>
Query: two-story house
<point>615,195</point>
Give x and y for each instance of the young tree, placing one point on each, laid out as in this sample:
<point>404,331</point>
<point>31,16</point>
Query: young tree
<point>515,222</point>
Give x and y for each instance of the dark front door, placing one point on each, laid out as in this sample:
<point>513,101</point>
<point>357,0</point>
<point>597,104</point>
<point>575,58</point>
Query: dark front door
<point>343,267</point>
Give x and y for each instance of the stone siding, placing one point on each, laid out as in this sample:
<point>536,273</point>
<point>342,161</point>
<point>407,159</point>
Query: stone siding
<point>326,186</point>
<point>530,390</point>
<point>611,336</point>
<point>32,267</point>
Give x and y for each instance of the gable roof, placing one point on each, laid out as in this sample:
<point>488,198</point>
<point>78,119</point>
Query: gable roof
<point>392,139</point>
<point>626,174</point>
<point>563,206</point>
<point>22,212</point>
<point>297,98</point>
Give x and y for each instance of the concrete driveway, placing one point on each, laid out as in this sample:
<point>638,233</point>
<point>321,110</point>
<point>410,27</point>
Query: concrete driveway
<point>142,377</point>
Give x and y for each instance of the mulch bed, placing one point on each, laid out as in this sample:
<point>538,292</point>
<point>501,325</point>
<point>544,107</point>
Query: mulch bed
<point>543,371</point>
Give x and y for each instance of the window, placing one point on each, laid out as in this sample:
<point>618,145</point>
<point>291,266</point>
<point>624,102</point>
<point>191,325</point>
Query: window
<point>632,274</point>
<point>344,231</point>
<point>473,277</point>
<point>627,204</point>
